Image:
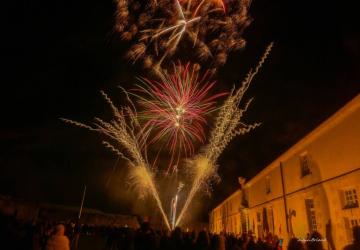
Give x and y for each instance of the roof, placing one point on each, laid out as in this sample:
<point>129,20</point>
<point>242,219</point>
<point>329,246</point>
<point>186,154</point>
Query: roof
<point>228,198</point>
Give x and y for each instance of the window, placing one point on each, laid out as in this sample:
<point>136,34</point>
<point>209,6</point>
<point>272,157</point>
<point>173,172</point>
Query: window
<point>351,200</point>
<point>355,222</point>
<point>350,223</point>
<point>270,215</point>
<point>236,225</point>
<point>260,228</point>
<point>310,210</point>
<point>258,216</point>
<point>267,185</point>
<point>304,164</point>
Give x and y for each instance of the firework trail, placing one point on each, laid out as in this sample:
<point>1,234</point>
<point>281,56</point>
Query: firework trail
<point>228,124</point>
<point>124,131</point>
<point>174,110</point>
<point>159,30</point>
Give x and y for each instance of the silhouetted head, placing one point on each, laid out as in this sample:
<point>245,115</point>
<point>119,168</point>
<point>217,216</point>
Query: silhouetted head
<point>215,241</point>
<point>315,241</point>
<point>59,230</point>
<point>176,234</point>
<point>145,226</point>
<point>202,238</point>
<point>295,244</point>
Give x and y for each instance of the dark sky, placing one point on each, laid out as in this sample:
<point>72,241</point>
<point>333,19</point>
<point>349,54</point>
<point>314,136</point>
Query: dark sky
<point>57,55</point>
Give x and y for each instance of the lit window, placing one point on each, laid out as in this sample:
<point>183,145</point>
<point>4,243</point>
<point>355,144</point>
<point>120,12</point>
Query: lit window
<point>270,215</point>
<point>305,164</point>
<point>258,216</point>
<point>267,184</point>
<point>310,209</point>
<point>351,199</point>
<point>350,223</point>
<point>355,223</point>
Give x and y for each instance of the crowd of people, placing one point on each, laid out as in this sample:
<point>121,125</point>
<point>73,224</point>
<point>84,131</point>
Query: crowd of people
<point>65,236</point>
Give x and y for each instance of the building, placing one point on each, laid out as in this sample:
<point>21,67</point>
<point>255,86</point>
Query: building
<point>313,186</point>
<point>227,215</point>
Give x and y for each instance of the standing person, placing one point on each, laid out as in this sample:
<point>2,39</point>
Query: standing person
<point>145,238</point>
<point>222,240</point>
<point>202,241</point>
<point>251,245</point>
<point>58,241</point>
<point>276,243</point>
<point>214,243</point>
<point>165,242</point>
<point>177,242</point>
<point>295,244</point>
<point>243,241</point>
<point>315,242</point>
<point>218,242</point>
<point>129,239</point>
<point>36,237</point>
<point>77,229</point>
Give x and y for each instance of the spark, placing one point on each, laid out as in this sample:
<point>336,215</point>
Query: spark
<point>159,30</point>
<point>174,203</point>
<point>143,179</point>
<point>124,131</point>
<point>177,31</point>
<point>199,4</point>
<point>174,109</point>
<point>228,124</point>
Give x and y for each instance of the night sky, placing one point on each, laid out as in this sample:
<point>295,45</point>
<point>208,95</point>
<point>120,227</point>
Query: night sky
<point>57,55</point>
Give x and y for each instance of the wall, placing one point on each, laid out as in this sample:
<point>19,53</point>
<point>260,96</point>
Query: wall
<point>314,200</point>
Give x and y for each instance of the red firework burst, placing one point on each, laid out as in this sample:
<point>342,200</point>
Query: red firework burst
<point>174,109</point>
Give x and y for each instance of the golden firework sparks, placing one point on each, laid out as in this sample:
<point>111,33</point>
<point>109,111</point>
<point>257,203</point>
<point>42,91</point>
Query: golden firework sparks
<point>228,124</point>
<point>124,131</point>
<point>162,29</point>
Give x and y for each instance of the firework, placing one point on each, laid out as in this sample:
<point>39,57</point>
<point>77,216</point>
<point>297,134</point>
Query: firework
<point>124,131</point>
<point>228,124</point>
<point>159,30</point>
<point>142,178</point>
<point>174,109</point>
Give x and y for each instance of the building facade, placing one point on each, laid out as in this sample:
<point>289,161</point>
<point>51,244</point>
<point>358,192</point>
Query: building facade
<point>227,216</point>
<point>314,186</point>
